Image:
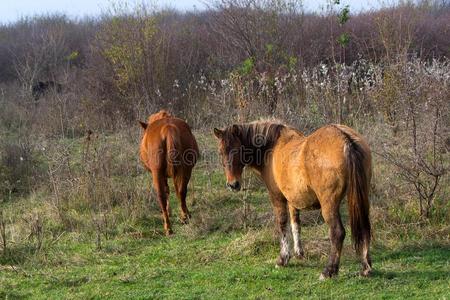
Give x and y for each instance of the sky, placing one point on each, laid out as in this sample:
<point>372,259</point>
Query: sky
<point>12,10</point>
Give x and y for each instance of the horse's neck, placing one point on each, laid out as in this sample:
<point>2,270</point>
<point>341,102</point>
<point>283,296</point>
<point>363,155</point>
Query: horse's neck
<point>265,170</point>
<point>260,157</point>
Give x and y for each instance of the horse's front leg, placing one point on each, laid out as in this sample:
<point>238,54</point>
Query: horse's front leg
<point>282,216</point>
<point>295,228</point>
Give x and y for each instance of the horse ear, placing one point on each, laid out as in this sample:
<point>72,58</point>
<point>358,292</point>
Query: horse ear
<point>143,124</point>
<point>218,133</point>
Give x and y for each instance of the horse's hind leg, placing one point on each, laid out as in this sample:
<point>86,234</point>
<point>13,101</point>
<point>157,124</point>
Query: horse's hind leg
<point>365,259</point>
<point>167,191</point>
<point>281,214</point>
<point>337,234</point>
<point>295,228</point>
<point>161,187</point>
<point>181,184</point>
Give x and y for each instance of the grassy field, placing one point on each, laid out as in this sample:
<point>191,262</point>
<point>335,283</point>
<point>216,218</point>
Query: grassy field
<point>230,265</point>
<point>207,268</point>
<point>227,251</point>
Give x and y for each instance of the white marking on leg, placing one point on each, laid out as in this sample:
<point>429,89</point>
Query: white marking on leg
<point>365,254</point>
<point>365,251</point>
<point>284,251</point>
<point>296,238</point>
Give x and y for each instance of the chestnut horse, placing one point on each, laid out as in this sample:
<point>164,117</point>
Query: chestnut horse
<point>306,172</point>
<point>169,149</point>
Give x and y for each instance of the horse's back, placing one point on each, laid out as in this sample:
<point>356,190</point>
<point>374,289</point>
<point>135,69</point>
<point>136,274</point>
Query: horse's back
<point>313,167</point>
<point>179,130</point>
<point>169,142</point>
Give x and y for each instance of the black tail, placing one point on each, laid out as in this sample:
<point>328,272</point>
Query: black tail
<point>358,192</point>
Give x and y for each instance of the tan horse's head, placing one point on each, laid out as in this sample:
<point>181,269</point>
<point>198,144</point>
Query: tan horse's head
<point>230,148</point>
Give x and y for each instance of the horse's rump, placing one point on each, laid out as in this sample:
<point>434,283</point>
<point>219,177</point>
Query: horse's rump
<point>168,143</point>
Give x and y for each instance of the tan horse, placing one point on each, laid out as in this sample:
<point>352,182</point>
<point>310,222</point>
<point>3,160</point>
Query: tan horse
<point>306,172</point>
<point>169,149</point>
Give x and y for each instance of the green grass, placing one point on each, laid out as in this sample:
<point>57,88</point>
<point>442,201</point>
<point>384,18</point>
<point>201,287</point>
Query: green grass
<point>216,256</point>
<point>206,267</point>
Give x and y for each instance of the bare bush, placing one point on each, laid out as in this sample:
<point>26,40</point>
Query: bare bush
<point>40,50</point>
<point>19,166</point>
<point>420,152</point>
<point>35,223</point>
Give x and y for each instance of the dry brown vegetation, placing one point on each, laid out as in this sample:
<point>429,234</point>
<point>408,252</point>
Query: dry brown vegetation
<point>73,153</point>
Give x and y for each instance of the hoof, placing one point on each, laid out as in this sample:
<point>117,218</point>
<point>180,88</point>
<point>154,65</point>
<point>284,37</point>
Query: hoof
<point>299,254</point>
<point>169,232</point>
<point>324,276</point>
<point>366,272</point>
<point>185,218</point>
<point>282,261</point>
<point>329,272</point>
<point>366,269</point>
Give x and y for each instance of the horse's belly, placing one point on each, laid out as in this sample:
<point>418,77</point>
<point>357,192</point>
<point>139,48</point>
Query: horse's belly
<point>302,198</point>
<point>295,188</point>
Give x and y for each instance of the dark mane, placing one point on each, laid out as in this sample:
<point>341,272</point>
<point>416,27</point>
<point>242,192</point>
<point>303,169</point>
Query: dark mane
<point>260,135</point>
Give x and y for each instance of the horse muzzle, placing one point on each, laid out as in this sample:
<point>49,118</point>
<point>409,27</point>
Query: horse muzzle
<point>234,186</point>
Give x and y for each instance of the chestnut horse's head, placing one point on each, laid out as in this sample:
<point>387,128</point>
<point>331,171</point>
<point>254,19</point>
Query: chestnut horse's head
<point>230,148</point>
